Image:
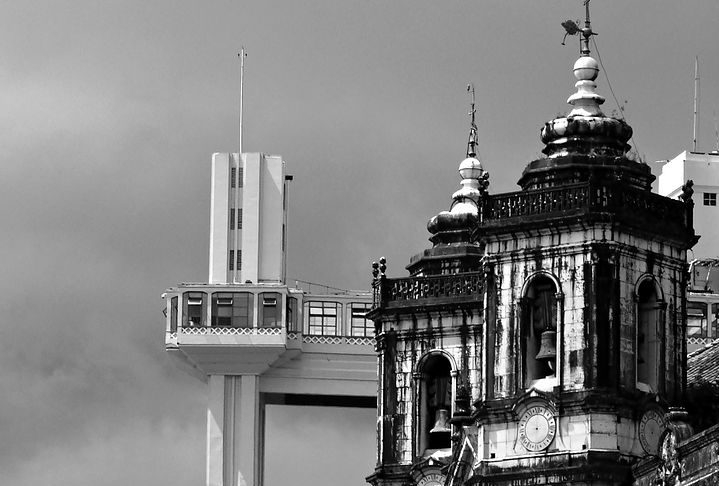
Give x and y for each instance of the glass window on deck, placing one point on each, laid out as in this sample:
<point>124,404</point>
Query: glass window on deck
<point>360,326</point>
<point>270,310</point>
<point>323,318</point>
<point>194,309</point>
<point>232,309</point>
<point>696,319</point>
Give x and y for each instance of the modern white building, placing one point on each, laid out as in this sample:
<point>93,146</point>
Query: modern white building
<point>254,339</point>
<point>248,218</point>
<point>703,169</point>
<point>703,297</point>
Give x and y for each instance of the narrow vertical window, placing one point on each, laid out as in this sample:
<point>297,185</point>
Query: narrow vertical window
<point>241,177</point>
<point>233,177</point>
<point>435,404</point>
<point>648,336</point>
<point>539,329</point>
<point>231,259</point>
<point>232,219</point>
<point>292,315</point>
<point>360,326</point>
<point>173,314</point>
<point>239,260</point>
<point>239,218</point>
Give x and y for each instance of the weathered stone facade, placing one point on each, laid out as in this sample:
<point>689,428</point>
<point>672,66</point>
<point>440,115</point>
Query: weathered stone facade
<point>547,323</point>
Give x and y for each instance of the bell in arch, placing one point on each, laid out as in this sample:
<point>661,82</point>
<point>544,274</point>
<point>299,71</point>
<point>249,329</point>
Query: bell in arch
<point>548,348</point>
<point>441,422</point>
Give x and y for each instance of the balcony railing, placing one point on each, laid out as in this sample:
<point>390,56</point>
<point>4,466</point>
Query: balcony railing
<point>430,290</point>
<point>588,198</point>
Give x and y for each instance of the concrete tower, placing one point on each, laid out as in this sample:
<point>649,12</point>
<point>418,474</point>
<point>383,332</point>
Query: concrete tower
<point>249,218</point>
<point>254,339</point>
<point>541,339</point>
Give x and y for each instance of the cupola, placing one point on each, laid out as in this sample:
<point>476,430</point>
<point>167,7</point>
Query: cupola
<point>585,143</point>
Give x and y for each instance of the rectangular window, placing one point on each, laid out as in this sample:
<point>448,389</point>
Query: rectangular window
<point>292,315</point>
<point>231,259</point>
<point>710,198</point>
<point>322,318</point>
<point>232,309</point>
<point>173,314</point>
<point>270,314</point>
<point>193,304</point>
<point>232,219</point>
<point>239,260</point>
<point>233,177</point>
<point>239,218</point>
<point>696,319</point>
<point>241,177</point>
<point>361,327</point>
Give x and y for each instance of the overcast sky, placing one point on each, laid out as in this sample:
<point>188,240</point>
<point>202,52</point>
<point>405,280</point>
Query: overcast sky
<point>110,114</point>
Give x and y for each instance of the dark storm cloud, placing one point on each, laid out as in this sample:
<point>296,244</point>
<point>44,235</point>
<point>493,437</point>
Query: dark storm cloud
<point>110,111</point>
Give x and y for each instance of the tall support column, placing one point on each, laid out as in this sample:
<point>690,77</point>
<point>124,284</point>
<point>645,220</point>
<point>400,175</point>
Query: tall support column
<point>235,442</point>
<point>247,441</point>
<point>215,430</point>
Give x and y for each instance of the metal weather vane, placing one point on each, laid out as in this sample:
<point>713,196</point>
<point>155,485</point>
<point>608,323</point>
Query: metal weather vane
<point>572,28</point>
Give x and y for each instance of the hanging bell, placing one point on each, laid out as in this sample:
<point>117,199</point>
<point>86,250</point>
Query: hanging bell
<point>441,422</point>
<point>548,347</point>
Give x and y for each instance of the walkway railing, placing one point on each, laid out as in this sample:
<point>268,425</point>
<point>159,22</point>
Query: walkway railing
<point>435,289</point>
<point>586,199</point>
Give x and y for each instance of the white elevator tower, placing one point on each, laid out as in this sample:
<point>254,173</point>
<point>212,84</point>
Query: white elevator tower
<point>249,217</point>
<point>254,339</point>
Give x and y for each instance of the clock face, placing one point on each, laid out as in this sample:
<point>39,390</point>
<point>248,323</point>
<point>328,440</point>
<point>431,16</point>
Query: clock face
<point>650,429</point>
<point>537,427</point>
<point>431,480</point>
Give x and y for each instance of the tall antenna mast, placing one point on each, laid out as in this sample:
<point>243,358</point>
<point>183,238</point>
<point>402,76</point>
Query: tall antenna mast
<point>242,56</point>
<point>716,132</point>
<point>696,100</point>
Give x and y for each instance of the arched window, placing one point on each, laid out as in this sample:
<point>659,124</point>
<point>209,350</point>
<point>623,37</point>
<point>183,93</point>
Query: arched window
<point>648,313</point>
<point>539,330</point>
<point>436,403</point>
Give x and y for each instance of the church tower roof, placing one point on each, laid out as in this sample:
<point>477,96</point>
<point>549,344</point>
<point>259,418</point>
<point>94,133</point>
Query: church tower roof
<point>585,142</point>
<point>453,231</point>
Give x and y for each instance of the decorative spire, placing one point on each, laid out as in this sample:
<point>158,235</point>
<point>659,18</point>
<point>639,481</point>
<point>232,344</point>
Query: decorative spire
<point>586,31</point>
<point>456,225</point>
<point>585,130</point>
<point>473,140</point>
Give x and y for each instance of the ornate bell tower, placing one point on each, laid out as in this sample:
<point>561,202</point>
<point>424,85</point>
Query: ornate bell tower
<point>554,314</point>
<point>429,341</point>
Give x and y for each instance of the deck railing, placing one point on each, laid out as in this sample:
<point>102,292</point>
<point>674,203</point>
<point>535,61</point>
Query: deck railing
<point>586,198</point>
<point>398,292</point>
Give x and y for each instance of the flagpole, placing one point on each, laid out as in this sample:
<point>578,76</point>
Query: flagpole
<point>696,100</point>
<point>242,55</point>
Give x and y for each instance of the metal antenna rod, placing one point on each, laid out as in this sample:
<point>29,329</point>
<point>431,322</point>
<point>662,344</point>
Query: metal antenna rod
<point>242,56</point>
<point>472,143</point>
<point>716,132</point>
<point>696,101</point>
<point>586,32</point>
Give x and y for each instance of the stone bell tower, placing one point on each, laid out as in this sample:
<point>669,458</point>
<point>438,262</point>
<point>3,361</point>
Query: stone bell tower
<point>429,341</point>
<point>555,316</point>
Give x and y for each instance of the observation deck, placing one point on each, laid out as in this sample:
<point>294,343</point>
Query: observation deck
<point>300,343</point>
